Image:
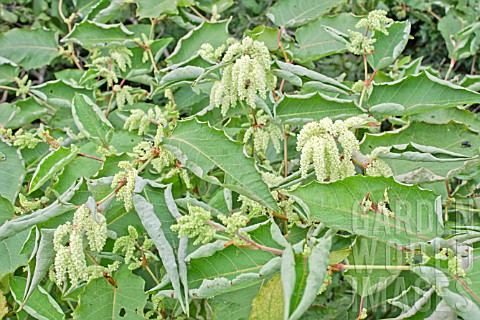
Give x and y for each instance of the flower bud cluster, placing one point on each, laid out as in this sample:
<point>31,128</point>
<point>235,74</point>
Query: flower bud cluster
<point>23,86</point>
<point>121,56</point>
<point>195,224</point>
<point>362,43</point>
<point>70,258</point>
<point>317,143</point>
<point>27,205</point>
<point>247,76</point>
<point>453,261</point>
<point>139,120</point>
<point>382,206</point>
<point>234,221</point>
<point>263,133</point>
<point>22,139</point>
<point>327,280</point>
<point>128,245</point>
<point>207,52</point>
<point>127,178</point>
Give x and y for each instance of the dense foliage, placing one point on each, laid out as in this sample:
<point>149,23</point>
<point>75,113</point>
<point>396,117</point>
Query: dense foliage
<point>181,159</point>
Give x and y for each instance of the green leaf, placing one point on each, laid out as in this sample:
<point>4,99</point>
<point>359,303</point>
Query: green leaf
<point>41,305</point>
<point>389,47</point>
<point>12,172</point>
<point>214,33</point>
<point>370,252</point>
<point>51,165</point>
<point>28,111</point>
<point>337,205</point>
<point>6,210</point>
<point>154,8</point>
<point>153,226</point>
<point>310,274</point>
<point>8,71</point>
<point>444,136</point>
<point>59,93</point>
<point>268,304</point>
<point>236,304</point>
<point>315,40</point>
<point>421,93</point>
<point>94,34</point>
<point>201,147</point>
<point>90,120</point>
<point>101,300</point>
<point>295,13</point>
<point>44,257</point>
<point>10,252</point>
<point>444,116</point>
<point>313,106</point>
<point>30,49</point>
<point>207,5</point>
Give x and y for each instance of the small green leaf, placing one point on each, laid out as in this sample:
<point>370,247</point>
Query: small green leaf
<point>313,106</point>
<point>297,13</point>
<point>51,165</point>
<point>214,33</point>
<point>30,49</point>
<point>8,71</point>
<point>94,34</point>
<point>101,300</point>
<point>201,147</point>
<point>389,47</point>
<point>268,304</point>
<point>10,252</point>
<point>90,120</point>
<point>154,8</point>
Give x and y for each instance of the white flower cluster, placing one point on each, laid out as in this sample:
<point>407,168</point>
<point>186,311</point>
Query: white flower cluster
<point>263,133</point>
<point>377,167</point>
<point>128,244</point>
<point>127,180</point>
<point>160,157</point>
<point>207,52</point>
<point>139,120</point>
<point>247,76</point>
<point>123,95</point>
<point>234,221</point>
<point>195,224</point>
<point>362,43</point>
<point>70,259</point>
<point>317,142</point>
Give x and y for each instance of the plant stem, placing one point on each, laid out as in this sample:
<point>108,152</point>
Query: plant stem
<point>88,156</point>
<point>198,13</point>
<point>8,88</point>
<point>285,152</point>
<point>450,68</point>
<point>340,266</point>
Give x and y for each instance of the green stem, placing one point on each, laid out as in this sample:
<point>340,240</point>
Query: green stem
<point>9,88</point>
<point>368,267</point>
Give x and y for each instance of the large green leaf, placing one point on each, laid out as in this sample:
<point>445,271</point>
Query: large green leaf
<point>90,120</point>
<point>337,205</point>
<point>102,301</point>
<point>29,48</point>
<point>58,93</point>
<point>417,94</point>
<point>201,147</point>
<point>389,47</point>
<point>315,42</point>
<point>214,33</point>
<point>314,106</point>
<point>12,171</point>
<point>94,34</point>
<point>51,165</point>
<point>155,8</point>
<point>41,305</point>
<point>297,13</point>
<point>444,136</point>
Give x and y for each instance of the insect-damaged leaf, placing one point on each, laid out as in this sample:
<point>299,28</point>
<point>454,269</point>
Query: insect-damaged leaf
<point>337,205</point>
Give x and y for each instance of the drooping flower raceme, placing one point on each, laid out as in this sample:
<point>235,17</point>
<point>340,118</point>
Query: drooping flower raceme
<point>127,180</point>
<point>262,132</point>
<point>70,258</point>
<point>330,147</point>
<point>247,75</point>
